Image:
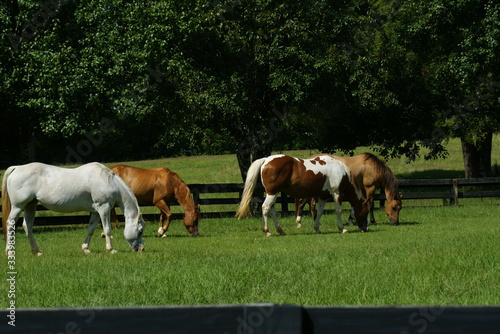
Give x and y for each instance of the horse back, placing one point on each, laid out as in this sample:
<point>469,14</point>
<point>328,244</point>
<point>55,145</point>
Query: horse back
<point>62,189</point>
<point>148,185</point>
<point>295,177</point>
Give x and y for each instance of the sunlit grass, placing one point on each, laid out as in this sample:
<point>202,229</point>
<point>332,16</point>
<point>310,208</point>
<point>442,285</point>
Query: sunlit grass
<point>438,256</point>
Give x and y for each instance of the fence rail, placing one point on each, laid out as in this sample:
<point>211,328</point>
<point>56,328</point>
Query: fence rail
<point>256,319</point>
<point>419,189</point>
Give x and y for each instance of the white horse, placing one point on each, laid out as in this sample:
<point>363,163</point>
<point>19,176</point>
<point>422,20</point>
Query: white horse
<point>91,187</point>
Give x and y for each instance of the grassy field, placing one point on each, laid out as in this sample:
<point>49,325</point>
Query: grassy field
<point>437,256</point>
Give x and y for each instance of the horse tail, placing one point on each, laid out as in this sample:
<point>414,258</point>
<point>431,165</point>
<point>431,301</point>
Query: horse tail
<point>6,204</point>
<point>250,183</point>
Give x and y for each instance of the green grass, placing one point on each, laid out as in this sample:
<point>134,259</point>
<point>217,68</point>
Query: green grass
<point>438,256</point>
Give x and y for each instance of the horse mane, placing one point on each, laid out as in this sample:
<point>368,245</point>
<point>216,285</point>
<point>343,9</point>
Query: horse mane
<point>167,171</point>
<point>186,192</point>
<point>390,179</point>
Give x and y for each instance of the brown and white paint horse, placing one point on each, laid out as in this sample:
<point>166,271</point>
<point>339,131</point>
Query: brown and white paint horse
<point>160,186</point>
<point>372,173</point>
<point>320,177</point>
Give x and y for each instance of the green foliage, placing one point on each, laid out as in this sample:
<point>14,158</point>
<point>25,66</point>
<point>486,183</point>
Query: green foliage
<point>245,76</point>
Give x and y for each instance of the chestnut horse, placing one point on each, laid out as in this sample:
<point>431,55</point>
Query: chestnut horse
<point>320,177</point>
<point>373,174</point>
<point>160,186</point>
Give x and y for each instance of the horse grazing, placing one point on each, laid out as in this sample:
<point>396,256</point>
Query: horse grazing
<point>91,187</point>
<point>320,177</point>
<point>372,173</point>
<point>160,186</point>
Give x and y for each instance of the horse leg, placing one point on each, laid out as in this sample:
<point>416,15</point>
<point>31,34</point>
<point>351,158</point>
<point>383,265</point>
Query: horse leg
<point>312,207</point>
<point>298,211</point>
<point>11,224</point>
<point>372,217</point>
<point>351,217</point>
<point>267,207</point>
<point>319,213</point>
<point>274,215</point>
<point>105,214</point>
<point>338,212</point>
<point>165,213</point>
<point>300,203</point>
<point>114,221</point>
<point>94,220</point>
<point>29,217</point>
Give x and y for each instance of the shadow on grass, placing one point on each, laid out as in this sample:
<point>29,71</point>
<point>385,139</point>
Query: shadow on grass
<point>406,223</point>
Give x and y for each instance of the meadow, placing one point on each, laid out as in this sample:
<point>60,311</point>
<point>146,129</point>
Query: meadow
<point>437,256</point>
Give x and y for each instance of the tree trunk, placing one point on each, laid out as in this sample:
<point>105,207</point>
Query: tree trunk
<point>477,157</point>
<point>250,151</point>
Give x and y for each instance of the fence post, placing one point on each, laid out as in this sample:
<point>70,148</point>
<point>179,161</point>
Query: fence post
<point>455,192</point>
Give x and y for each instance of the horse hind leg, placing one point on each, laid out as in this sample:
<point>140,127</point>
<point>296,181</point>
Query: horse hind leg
<point>338,212</point>
<point>29,217</point>
<point>269,208</point>
<point>94,219</point>
<point>10,224</point>
<point>319,213</point>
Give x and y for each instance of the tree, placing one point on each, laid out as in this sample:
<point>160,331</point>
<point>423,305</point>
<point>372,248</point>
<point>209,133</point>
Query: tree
<point>253,62</point>
<point>450,48</point>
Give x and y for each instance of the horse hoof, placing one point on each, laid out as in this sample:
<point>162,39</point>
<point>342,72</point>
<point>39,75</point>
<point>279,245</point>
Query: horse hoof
<point>318,231</point>
<point>112,251</point>
<point>163,236</point>
<point>344,231</point>
<point>86,251</point>
<point>299,225</point>
<point>268,234</point>
<point>38,253</point>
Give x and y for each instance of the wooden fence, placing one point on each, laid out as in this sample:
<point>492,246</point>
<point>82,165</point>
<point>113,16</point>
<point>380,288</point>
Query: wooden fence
<point>228,195</point>
<point>255,319</point>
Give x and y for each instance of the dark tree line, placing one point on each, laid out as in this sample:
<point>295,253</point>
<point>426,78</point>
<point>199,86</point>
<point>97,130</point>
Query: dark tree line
<point>109,79</point>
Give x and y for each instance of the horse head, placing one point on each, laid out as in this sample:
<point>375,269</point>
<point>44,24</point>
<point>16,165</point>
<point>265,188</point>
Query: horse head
<point>392,208</point>
<point>133,233</point>
<point>191,221</point>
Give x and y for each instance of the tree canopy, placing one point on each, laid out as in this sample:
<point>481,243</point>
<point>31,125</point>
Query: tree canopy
<point>112,79</point>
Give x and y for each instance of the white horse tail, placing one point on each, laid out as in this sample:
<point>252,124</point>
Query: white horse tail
<point>6,205</point>
<point>252,176</point>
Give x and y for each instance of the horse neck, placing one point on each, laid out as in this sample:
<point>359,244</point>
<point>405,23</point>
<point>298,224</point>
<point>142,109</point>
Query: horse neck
<point>128,203</point>
<point>183,196</point>
<point>390,185</point>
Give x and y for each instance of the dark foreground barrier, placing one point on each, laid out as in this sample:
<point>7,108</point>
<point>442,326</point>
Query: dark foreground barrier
<point>255,319</point>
